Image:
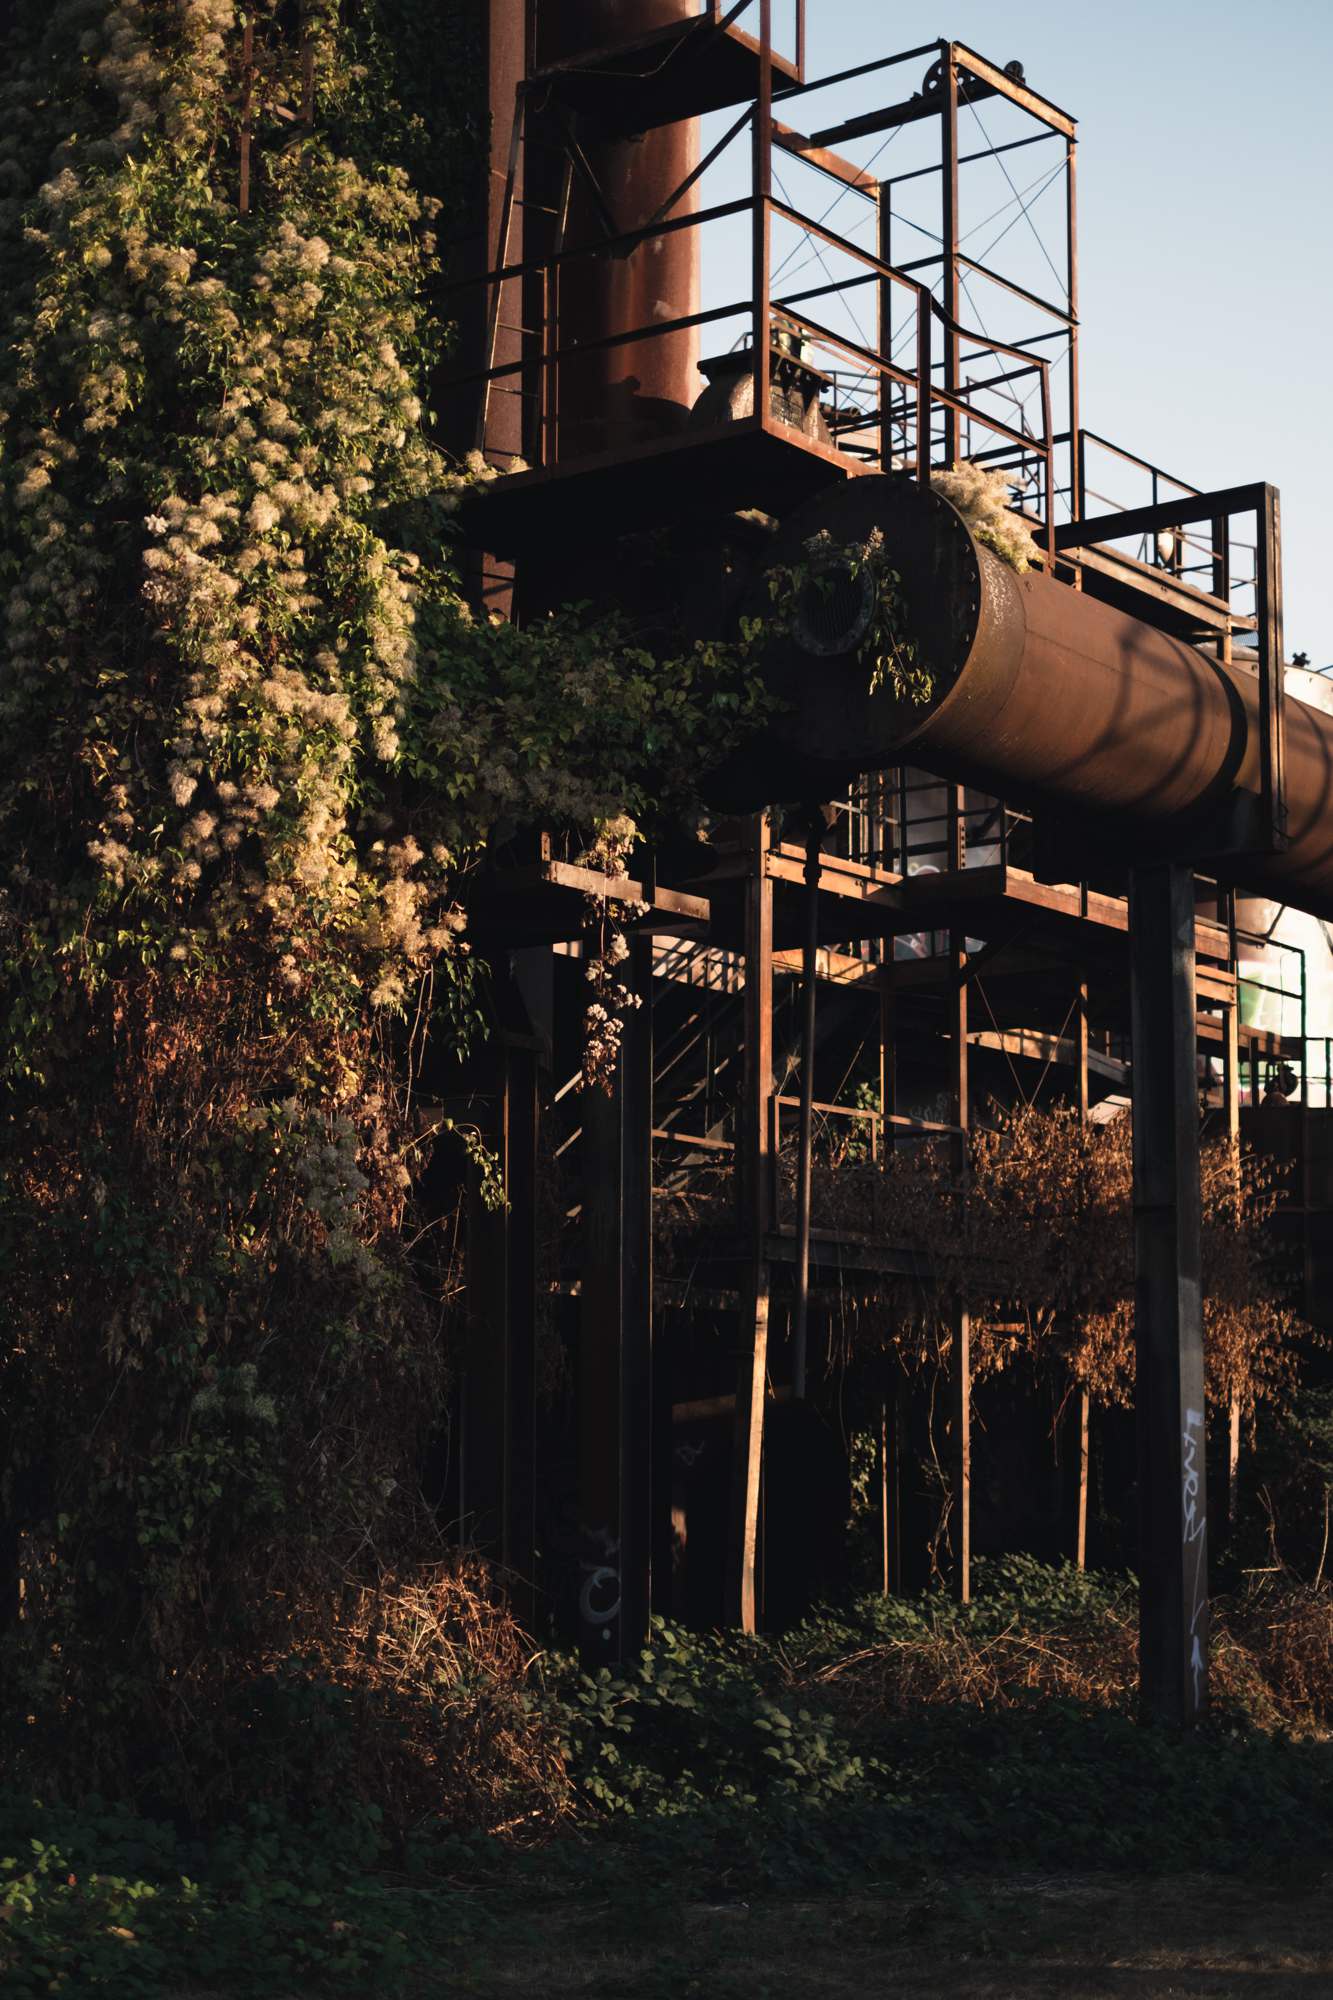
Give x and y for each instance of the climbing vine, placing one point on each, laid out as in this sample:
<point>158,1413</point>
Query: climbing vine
<point>253,748</point>
<point>852,588</point>
<point>982,497</point>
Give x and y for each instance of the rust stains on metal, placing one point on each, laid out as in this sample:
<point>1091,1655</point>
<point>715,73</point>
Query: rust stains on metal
<point>1046,696</point>
<point>619,396</point>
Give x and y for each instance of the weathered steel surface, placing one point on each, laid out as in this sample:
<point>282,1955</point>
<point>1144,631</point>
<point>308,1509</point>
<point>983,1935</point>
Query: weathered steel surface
<point>501,55</point>
<point>616,1496</point>
<point>619,396</point>
<point>1168,1304</point>
<point>1043,696</point>
<point>753,1214</point>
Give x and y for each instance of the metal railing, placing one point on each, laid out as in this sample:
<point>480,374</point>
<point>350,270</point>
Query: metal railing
<point>924,406</point>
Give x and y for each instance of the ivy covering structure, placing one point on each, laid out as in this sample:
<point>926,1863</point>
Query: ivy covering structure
<point>252,744</point>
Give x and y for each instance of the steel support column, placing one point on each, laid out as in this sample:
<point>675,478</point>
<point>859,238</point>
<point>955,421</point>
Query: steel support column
<point>960,1365</point>
<point>1169,1398</point>
<point>819,820</point>
<point>497,1472</point>
<point>949,271</point>
<point>754,1190</point>
<point>615,1345</point>
<point>1084,1400</point>
<point>520,1512</point>
<point>1231,1116</point>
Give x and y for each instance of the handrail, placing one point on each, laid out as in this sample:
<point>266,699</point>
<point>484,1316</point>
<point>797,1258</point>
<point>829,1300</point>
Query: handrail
<point>917,392</point>
<point>504,273</point>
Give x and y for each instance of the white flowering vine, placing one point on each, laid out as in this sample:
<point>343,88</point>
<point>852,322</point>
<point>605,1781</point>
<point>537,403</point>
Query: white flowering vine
<point>983,498</point>
<point>252,745</point>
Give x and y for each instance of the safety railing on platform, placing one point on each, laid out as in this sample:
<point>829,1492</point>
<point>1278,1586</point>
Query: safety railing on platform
<point>917,389</point>
<point>1210,557</point>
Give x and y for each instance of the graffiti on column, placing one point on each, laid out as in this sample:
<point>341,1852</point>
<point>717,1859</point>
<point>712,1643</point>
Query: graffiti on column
<point>599,1592</point>
<point>1194,1529</point>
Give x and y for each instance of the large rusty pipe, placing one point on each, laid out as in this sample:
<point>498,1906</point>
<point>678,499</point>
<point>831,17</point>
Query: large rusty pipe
<point>620,396</point>
<point>1041,695</point>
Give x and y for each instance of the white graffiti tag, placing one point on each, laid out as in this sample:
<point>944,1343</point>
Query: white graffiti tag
<point>599,1594</point>
<point>1194,1532</point>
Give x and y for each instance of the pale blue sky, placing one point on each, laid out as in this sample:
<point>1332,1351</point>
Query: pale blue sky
<point>1206,246</point>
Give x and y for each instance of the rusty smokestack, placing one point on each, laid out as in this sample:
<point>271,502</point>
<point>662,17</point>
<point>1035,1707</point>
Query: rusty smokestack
<point>621,396</point>
<point>498,44</point>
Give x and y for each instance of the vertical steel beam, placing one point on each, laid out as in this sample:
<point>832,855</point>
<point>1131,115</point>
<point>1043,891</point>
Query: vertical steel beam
<point>761,251</point>
<point>949,232</point>
<point>924,406</point>
<point>663,1540</point>
<point>483,1450</point>
<point>497,1481</point>
<point>1169,1386</point>
<point>1081,1050</point>
<point>1268,611</point>
<point>600,1332</point>
<point>1221,533</point>
<point>960,1377</point>
<point>888,1052</point>
<point>884,318</point>
<point>500,253</point>
<point>639,1497</point>
<point>1084,1399</point>
<point>893,1482</point>
<point>1231,1125</point>
<point>819,821</point>
<point>615,1346</point>
<point>1231,1071</point>
<point>805,1134</point>
<point>1084,1464</point>
<point>754,1182</point>
<point>1076,494</point>
<point>961,1421</point>
<point>522,1121</point>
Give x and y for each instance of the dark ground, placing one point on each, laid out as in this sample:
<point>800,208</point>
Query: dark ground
<point>1011,1937</point>
<point>994,1940</point>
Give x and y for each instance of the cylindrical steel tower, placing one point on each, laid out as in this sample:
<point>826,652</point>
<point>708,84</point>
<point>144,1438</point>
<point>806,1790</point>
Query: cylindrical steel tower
<point>619,396</point>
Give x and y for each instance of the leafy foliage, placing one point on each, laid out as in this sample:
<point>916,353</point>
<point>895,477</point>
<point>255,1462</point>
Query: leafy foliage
<point>832,570</point>
<point>698,1720</point>
<point>254,745</point>
<point>881,1738</point>
<point>104,1901</point>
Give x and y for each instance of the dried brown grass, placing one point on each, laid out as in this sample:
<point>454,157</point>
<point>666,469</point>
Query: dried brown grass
<point>998,1670</point>
<point>1271,1660</point>
<point>1285,1631</point>
<point>455,1664</point>
<point>442,1719</point>
<point>438,1721</point>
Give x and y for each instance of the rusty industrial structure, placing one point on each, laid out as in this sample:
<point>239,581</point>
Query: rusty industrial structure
<point>715,304</point>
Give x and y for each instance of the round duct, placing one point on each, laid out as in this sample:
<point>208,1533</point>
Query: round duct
<point>1039,694</point>
<point>834,607</point>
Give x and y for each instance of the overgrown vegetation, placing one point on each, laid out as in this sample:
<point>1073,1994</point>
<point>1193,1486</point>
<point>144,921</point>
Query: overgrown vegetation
<point>1033,1233</point>
<point>855,586</point>
<point>253,746</point>
<point>870,1744</point>
<point>983,499</point>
